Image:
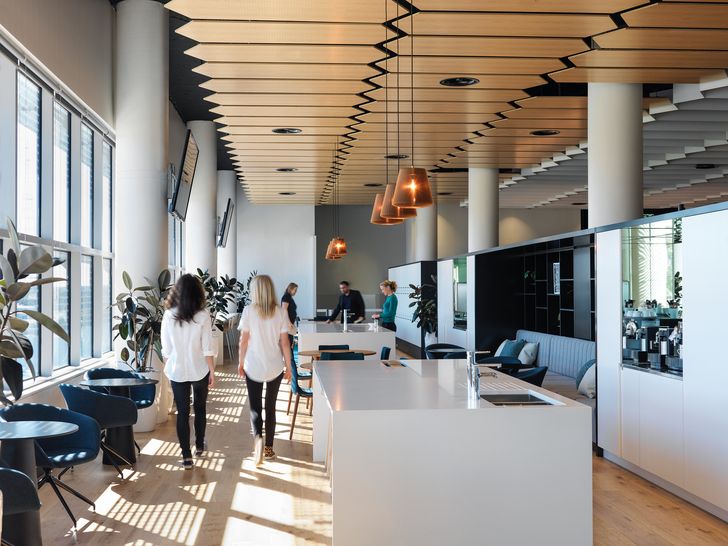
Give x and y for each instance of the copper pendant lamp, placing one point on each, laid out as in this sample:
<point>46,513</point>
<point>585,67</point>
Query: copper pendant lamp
<point>390,212</point>
<point>413,187</point>
<point>337,248</point>
<point>377,213</point>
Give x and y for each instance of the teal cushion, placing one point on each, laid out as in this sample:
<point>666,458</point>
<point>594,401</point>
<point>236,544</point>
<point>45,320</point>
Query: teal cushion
<point>513,348</point>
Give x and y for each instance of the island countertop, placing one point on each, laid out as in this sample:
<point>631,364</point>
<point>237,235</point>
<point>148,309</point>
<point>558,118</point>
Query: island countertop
<point>419,385</point>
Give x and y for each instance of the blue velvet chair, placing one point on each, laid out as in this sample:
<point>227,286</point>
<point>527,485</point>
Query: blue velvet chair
<point>386,351</point>
<point>453,355</point>
<point>333,347</point>
<point>299,392</point>
<point>19,494</point>
<point>107,410</point>
<point>508,364</point>
<point>434,350</point>
<point>534,376</point>
<point>342,356</point>
<point>143,396</point>
<point>63,452</point>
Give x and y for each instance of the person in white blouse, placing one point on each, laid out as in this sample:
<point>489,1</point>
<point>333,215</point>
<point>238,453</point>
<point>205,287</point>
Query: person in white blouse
<point>188,355</point>
<point>265,359</point>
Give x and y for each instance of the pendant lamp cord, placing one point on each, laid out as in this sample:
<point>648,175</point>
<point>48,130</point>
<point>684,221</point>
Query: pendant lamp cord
<point>412,83</point>
<point>386,99</point>
<point>398,103</point>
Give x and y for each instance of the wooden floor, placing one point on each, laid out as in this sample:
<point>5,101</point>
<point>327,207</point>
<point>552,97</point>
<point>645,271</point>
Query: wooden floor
<point>226,500</point>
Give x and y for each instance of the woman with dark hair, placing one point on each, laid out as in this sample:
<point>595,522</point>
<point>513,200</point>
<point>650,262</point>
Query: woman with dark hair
<point>188,356</point>
<point>289,307</point>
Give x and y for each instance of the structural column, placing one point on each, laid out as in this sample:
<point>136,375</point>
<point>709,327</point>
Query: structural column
<point>141,92</point>
<point>615,153</point>
<point>423,237</point>
<point>483,208</point>
<point>201,223</point>
<point>227,255</point>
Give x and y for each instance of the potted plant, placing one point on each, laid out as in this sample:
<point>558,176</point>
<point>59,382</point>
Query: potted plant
<point>220,295</point>
<point>15,266</point>
<point>425,310</point>
<point>139,324</point>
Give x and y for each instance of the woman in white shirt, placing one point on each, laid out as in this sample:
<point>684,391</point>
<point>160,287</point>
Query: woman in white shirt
<point>188,355</point>
<point>264,349</point>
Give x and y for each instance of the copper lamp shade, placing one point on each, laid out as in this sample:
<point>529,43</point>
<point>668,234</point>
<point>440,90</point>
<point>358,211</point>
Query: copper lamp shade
<point>339,247</point>
<point>377,213</point>
<point>413,188</point>
<point>390,212</point>
<point>331,251</point>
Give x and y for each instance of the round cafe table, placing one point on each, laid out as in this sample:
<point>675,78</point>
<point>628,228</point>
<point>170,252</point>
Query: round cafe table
<point>120,439</point>
<point>316,355</point>
<point>17,449</point>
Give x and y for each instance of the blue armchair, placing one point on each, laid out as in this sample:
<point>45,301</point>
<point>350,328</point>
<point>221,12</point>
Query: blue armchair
<point>19,494</point>
<point>386,351</point>
<point>333,347</point>
<point>142,396</point>
<point>299,391</point>
<point>437,351</point>
<point>107,410</point>
<point>342,356</point>
<point>63,452</point>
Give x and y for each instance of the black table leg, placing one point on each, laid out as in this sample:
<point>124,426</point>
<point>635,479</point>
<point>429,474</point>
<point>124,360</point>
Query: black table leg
<point>21,529</point>
<point>121,440</point>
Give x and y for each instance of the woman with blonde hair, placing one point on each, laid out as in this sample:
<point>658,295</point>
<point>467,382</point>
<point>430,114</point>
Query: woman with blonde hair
<point>389,309</point>
<point>265,359</point>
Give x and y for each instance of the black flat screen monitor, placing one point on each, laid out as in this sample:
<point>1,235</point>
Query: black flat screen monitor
<point>222,237</point>
<point>183,186</point>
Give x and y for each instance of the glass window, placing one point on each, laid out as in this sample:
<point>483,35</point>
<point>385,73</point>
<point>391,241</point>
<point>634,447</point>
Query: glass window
<point>87,185</point>
<point>108,311</point>
<point>61,172</point>
<point>87,306</point>
<point>106,198</point>
<point>61,311</point>
<point>28,156</point>
<point>31,302</point>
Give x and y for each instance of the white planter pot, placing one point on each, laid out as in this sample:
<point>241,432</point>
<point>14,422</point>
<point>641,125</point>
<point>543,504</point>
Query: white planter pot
<point>147,417</point>
<point>430,339</point>
<point>218,343</point>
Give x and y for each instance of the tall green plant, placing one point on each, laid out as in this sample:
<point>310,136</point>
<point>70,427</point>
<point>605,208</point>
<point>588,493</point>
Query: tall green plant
<point>16,265</point>
<point>425,306</point>
<point>139,322</point>
<point>220,294</point>
<point>243,291</point>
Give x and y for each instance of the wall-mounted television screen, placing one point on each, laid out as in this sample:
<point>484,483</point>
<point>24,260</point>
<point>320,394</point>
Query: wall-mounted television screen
<point>227,219</point>
<point>183,187</point>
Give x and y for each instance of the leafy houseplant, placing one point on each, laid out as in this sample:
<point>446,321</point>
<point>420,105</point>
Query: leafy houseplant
<point>220,293</point>
<point>16,266</point>
<point>140,320</point>
<point>243,291</point>
<point>425,306</point>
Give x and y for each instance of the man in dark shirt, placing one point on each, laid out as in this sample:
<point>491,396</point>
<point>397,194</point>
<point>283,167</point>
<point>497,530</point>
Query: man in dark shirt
<point>350,301</point>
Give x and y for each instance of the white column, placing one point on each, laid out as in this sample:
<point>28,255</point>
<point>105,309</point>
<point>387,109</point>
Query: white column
<point>227,256</point>
<point>425,234</point>
<point>141,114</point>
<point>483,209</point>
<point>615,152</point>
<point>201,222</point>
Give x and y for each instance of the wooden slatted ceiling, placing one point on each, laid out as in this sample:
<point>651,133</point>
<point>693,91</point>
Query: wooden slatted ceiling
<point>635,75</point>
<point>279,71</point>
<point>485,46</point>
<point>530,6</point>
<point>664,38</point>
<point>679,15</point>
<point>486,81</point>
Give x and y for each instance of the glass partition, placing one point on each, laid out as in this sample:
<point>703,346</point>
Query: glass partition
<point>652,295</point>
<point>460,293</point>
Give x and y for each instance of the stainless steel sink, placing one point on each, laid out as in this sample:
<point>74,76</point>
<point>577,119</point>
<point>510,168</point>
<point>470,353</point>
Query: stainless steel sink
<point>517,399</point>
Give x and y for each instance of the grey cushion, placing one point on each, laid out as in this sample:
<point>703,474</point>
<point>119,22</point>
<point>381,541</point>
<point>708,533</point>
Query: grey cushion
<point>563,355</point>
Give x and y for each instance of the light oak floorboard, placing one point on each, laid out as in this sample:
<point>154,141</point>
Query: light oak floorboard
<point>225,500</point>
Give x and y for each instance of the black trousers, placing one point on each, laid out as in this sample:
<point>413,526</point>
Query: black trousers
<point>255,398</point>
<point>181,392</point>
<point>389,326</point>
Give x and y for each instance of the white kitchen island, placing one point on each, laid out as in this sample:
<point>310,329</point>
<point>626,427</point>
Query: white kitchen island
<point>358,336</point>
<point>414,461</point>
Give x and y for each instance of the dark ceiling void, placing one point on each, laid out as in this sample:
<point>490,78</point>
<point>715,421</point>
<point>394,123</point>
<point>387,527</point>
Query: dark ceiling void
<point>184,85</point>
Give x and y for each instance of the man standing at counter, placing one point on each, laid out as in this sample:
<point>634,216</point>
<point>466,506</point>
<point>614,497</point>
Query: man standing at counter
<point>350,302</point>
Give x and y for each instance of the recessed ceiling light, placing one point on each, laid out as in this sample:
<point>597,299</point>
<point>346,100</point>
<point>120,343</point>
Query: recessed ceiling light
<point>545,132</point>
<point>286,193</point>
<point>287,170</point>
<point>373,185</point>
<point>705,166</point>
<point>579,204</point>
<point>459,81</point>
<point>287,131</point>
<point>396,156</point>
<point>444,193</point>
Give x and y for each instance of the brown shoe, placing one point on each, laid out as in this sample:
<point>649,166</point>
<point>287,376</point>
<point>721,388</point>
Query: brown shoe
<point>268,453</point>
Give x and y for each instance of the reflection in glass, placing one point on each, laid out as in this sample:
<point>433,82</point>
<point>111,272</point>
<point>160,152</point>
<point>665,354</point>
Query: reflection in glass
<point>460,292</point>
<point>87,185</point>
<point>31,302</point>
<point>61,171</point>
<point>87,306</point>
<point>28,156</point>
<point>107,312</point>
<point>106,199</point>
<point>61,311</point>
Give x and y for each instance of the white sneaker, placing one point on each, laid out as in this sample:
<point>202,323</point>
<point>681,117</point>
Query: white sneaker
<point>258,451</point>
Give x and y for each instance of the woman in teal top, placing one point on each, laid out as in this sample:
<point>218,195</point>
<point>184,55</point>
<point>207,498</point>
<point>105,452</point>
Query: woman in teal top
<point>389,309</point>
